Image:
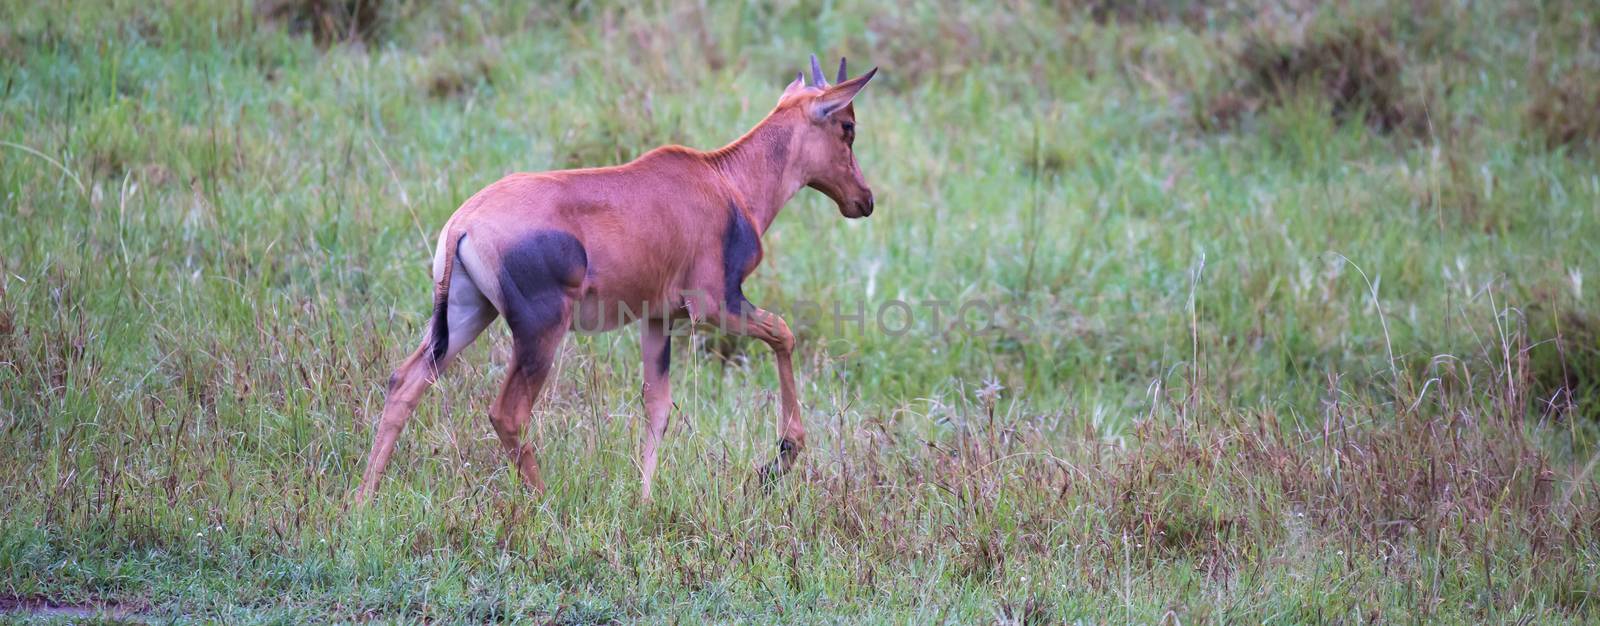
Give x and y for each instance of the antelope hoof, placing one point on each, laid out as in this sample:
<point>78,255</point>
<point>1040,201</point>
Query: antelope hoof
<point>769,474</point>
<point>360,501</point>
<point>788,451</point>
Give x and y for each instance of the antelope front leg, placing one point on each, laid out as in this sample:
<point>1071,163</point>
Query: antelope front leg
<point>655,346</point>
<point>768,327</point>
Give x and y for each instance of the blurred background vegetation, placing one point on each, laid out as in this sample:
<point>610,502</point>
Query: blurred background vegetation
<point>1229,234</point>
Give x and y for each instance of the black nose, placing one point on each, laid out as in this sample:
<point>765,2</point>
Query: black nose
<point>866,206</point>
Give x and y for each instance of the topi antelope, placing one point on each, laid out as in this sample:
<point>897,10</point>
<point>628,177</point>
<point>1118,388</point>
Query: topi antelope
<point>671,235</point>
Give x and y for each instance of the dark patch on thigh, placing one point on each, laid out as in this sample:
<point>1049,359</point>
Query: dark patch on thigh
<point>536,276</point>
<point>741,250</point>
<point>664,360</point>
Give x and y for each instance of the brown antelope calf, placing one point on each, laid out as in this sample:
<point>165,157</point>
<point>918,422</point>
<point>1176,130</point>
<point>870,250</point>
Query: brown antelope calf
<point>670,235</point>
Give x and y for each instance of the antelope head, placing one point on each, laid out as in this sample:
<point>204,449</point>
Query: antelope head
<point>826,134</point>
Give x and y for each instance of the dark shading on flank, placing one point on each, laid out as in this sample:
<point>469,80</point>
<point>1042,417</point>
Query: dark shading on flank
<point>740,247</point>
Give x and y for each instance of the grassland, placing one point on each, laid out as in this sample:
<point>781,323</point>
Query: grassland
<point>1302,332</point>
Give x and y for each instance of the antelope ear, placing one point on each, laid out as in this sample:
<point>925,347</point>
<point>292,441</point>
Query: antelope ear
<point>799,82</point>
<point>840,95</point>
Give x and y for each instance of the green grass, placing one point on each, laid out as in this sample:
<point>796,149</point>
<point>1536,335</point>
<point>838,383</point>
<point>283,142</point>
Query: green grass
<point>1287,366</point>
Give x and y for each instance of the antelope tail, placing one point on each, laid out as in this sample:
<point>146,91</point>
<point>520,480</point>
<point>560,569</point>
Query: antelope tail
<point>440,338</point>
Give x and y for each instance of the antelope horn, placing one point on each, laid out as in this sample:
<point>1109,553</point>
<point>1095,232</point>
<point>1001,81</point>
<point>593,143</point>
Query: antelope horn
<point>816,73</point>
<point>842,74</point>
